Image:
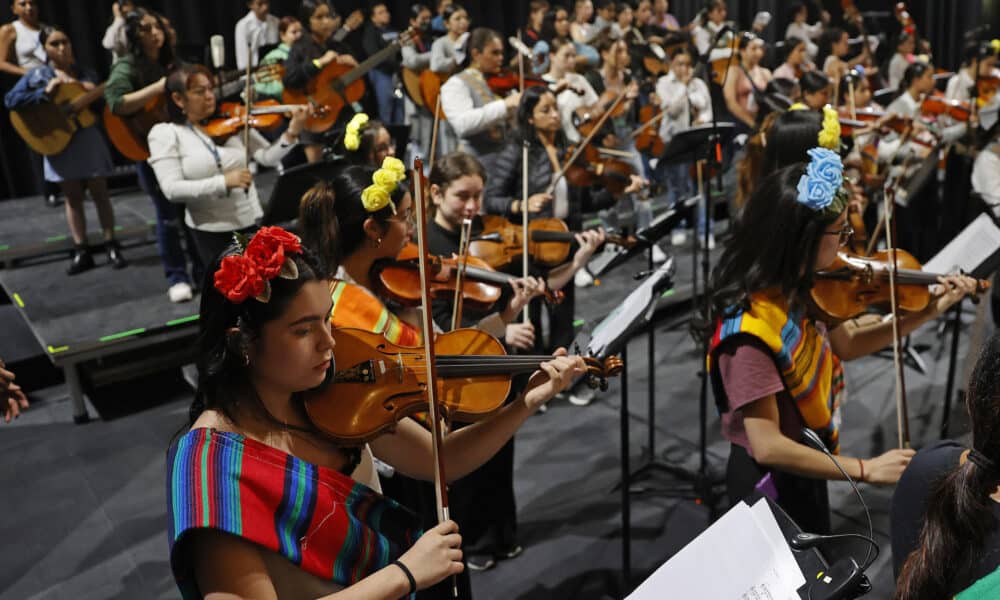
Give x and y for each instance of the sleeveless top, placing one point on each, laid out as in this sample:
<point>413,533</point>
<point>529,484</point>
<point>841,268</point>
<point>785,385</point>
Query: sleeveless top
<point>27,47</point>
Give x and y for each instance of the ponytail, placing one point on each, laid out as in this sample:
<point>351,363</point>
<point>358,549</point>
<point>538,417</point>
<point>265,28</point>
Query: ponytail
<point>320,227</point>
<point>960,514</point>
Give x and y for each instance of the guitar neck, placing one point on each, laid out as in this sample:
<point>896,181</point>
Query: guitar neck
<point>89,97</point>
<point>368,64</point>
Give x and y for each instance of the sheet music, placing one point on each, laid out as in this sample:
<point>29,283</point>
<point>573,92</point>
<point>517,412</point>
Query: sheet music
<point>971,248</point>
<point>634,309</point>
<point>742,556</point>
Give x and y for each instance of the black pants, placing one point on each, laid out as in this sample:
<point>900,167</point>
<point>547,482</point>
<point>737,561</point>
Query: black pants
<point>211,244</point>
<point>804,499</point>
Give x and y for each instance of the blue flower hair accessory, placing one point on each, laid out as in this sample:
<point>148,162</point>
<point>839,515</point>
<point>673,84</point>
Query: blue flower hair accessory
<point>821,186</point>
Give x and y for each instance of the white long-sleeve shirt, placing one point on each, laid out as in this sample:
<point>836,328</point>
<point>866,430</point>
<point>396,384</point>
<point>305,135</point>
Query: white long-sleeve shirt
<point>250,30</point>
<point>187,172</point>
<point>677,100</point>
<point>446,55</point>
<point>465,119</point>
<point>807,33</point>
<point>114,39</point>
<point>986,177</point>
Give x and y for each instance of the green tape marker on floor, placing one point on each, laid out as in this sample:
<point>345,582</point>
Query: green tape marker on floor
<point>56,349</point>
<point>55,238</point>
<point>182,320</point>
<point>17,298</point>
<point>669,292</point>
<point>579,322</point>
<point>4,247</point>
<point>124,334</point>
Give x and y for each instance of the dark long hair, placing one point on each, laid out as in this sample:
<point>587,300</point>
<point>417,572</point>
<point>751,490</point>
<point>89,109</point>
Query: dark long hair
<point>774,245</point>
<point>912,73</point>
<point>960,514</point>
<point>132,22</point>
<point>813,81</point>
<point>825,45</point>
<point>223,374</point>
<point>332,217</point>
<point>366,146</point>
<point>526,130</point>
<point>179,81</point>
<point>790,138</point>
<point>308,7</point>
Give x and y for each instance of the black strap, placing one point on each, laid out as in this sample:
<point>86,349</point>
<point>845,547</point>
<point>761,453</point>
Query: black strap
<point>409,576</point>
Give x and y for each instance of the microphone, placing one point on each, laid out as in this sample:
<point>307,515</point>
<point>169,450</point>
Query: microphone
<point>844,579</point>
<point>218,46</point>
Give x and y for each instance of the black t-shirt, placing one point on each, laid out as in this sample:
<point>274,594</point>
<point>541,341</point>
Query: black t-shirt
<point>442,242</point>
<point>909,503</point>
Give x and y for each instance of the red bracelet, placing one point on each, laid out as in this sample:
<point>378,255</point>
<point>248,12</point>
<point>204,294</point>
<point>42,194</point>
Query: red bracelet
<point>861,464</point>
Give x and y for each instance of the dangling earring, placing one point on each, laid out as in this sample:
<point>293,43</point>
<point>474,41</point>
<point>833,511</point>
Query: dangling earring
<point>378,243</point>
<point>246,359</point>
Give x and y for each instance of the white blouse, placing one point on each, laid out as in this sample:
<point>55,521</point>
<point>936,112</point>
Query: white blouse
<point>190,168</point>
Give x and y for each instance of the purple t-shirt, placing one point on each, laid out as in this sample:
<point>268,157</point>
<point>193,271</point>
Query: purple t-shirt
<point>748,373</point>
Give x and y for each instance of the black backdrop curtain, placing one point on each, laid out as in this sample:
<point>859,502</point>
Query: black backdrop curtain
<point>196,20</point>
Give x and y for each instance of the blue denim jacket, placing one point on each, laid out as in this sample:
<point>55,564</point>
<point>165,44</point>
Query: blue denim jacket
<point>30,89</point>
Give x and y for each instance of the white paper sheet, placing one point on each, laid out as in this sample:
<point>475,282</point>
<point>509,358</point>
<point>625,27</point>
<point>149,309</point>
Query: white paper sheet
<point>976,243</point>
<point>742,556</point>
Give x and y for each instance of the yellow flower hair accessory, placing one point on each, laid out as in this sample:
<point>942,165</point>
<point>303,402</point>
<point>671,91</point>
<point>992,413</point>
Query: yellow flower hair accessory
<point>829,136</point>
<point>352,136</point>
<point>995,45</point>
<point>798,106</point>
<point>384,182</point>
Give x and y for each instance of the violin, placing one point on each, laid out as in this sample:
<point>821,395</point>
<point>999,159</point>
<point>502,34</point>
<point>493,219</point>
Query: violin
<point>506,81</point>
<point>647,137</point>
<point>853,283</point>
<point>549,241</point>
<point>377,383</point>
<point>231,117</point>
<point>937,105</point>
<point>611,173</point>
<point>398,280</point>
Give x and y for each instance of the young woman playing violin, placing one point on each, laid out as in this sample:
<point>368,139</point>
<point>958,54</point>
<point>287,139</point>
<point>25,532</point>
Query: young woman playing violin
<point>761,284</point>
<point>310,55</point>
<point>265,342</point>
<point>539,126</point>
<point>976,56</point>
<point>476,114</point>
<point>210,176</point>
<point>796,60</point>
<point>367,141</point>
<point>576,96</point>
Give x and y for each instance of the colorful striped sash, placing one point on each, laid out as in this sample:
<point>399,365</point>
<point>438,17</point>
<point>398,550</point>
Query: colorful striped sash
<point>355,306</point>
<point>811,372</point>
<point>321,520</point>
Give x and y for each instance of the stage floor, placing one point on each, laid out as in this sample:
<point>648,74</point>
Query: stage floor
<point>86,511</point>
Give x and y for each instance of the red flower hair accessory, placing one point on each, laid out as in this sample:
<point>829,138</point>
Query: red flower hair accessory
<point>265,256</point>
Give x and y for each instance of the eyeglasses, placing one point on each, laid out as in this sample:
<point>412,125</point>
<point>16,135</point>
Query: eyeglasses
<point>407,217</point>
<point>844,232</point>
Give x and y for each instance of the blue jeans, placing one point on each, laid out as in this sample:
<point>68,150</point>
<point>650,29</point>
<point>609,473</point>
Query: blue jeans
<point>680,187</point>
<point>390,108</point>
<point>169,229</point>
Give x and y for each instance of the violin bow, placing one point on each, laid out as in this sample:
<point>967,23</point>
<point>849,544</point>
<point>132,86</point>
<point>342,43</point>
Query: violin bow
<point>434,129</point>
<point>463,261</point>
<point>248,102</point>
<point>902,416</point>
<point>427,325</point>
<point>583,143</point>
<point>525,313</point>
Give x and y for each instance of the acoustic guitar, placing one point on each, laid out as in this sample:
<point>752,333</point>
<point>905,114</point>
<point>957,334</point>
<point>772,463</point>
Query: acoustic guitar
<point>338,85</point>
<point>48,127</point>
<point>128,133</point>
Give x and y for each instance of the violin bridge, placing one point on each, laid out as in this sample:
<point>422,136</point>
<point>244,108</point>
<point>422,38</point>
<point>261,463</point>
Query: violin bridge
<point>360,373</point>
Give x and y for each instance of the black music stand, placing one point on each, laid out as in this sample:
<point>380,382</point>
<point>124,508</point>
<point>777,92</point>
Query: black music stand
<point>609,337</point>
<point>291,185</point>
<point>703,142</point>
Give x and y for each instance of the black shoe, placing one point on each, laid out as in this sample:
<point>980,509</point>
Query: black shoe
<point>81,261</point>
<point>115,254</point>
<point>480,562</point>
<point>512,552</point>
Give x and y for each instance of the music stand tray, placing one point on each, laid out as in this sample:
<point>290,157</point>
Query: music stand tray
<point>696,142</point>
<point>291,185</point>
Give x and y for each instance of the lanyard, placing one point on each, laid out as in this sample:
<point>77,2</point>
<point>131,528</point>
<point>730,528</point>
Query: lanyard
<point>209,145</point>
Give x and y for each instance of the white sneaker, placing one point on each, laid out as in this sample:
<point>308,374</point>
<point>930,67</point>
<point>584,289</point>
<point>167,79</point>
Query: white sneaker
<point>180,292</point>
<point>582,396</point>
<point>678,237</point>
<point>659,255</point>
<point>582,278</point>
